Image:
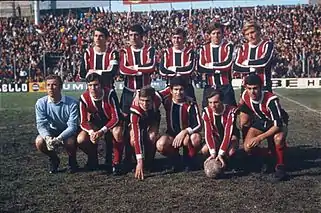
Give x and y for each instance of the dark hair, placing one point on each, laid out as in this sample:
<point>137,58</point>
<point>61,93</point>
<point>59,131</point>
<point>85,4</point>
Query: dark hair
<point>215,26</point>
<point>94,77</point>
<point>177,81</point>
<point>137,28</point>
<point>147,91</point>
<point>180,31</point>
<point>253,79</point>
<point>103,31</point>
<point>55,77</point>
<point>213,92</point>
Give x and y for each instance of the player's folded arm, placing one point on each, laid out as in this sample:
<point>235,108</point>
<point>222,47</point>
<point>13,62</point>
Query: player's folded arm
<point>262,62</point>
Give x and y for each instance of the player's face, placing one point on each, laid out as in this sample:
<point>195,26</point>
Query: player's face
<point>134,38</point>
<point>178,41</point>
<point>252,36</point>
<point>95,89</point>
<point>254,91</point>
<point>145,103</point>
<point>53,88</point>
<point>216,36</point>
<point>99,39</point>
<point>215,103</point>
<point>178,93</point>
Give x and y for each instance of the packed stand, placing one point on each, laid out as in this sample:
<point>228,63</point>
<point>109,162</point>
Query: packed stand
<point>61,40</point>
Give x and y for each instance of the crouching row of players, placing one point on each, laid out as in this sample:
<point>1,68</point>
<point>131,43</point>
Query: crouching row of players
<point>261,118</point>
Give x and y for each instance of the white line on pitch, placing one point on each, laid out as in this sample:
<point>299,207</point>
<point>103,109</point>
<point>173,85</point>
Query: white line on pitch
<point>298,103</point>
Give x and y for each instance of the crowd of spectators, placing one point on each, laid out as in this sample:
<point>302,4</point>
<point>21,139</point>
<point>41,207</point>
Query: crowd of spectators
<point>29,52</point>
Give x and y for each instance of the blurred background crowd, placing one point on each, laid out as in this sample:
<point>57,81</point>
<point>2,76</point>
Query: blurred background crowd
<point>29,52</point>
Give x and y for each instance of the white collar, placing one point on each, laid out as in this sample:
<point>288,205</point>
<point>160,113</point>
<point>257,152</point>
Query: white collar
<point>137,49</point>
<point>177,50</point>
<point>259,101</point>
<point>252,45</point>
<point>63,100</point>
<point>217,45</point>
<point>222,111</point>
<point>98,99</point>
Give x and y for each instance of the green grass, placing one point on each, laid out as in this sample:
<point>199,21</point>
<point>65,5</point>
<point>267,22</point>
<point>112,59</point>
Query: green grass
<point>26,186</point>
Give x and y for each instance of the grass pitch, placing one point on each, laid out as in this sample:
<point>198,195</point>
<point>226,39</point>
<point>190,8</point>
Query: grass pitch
<point>25,185</point>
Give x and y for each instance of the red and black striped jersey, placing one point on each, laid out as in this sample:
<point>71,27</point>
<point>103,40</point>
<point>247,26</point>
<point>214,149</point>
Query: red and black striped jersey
<point>267,108</point>
<point>216,62</point>
<point>102,113</point>
<point>177,62</point>
<point>219,128</point>
<point>255,58</point>
<point>141,120</point>
<point>137,65</point>
<point>180,116</point>
<point>107,62</point>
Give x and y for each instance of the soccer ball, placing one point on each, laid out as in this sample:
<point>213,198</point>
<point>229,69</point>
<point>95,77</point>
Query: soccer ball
<point>212,168</point>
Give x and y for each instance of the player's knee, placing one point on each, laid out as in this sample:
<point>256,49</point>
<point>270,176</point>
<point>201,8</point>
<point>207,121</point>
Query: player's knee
<point>279,139</point>
<point>70,141</point>
<point>161,145</point>
<point>204,150</point>
<point>152,137</point>
<point>246,147</point>
<point>117,133</point>
<point>82,137</point>
<point>196,139</point>
<point>186,140</point>
<point>244,120</point>
<point>39,142</point>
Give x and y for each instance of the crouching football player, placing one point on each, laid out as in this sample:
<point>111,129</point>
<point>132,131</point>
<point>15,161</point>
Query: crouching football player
<point>221,133</point>
<point>183,126</point>
<point>144,119</point>
<point>269,122</point>
<point>99,114</point>
<point>57,123</point>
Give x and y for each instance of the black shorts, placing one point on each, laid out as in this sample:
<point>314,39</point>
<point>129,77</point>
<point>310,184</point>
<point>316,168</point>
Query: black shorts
<point>126,100</point>
<point>228,92</point>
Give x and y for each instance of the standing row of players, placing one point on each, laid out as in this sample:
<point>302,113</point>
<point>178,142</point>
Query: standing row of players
<point>261,116</point>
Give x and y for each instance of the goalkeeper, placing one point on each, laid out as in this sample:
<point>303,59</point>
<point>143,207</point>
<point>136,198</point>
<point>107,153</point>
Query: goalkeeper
<point>57,122</point>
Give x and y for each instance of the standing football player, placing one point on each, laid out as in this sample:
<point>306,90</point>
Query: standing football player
<point>101,58</point>
<point>179,60</point>
<point>137,63</point>
<point>215,61</point>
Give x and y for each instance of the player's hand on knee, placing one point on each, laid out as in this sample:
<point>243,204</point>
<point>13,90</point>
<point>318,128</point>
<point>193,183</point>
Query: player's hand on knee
<point>139,172</point>
<point>56,141</point>
<point>178,140</point>
<point>254,142</point>
<point>221,159</point>
<point>49,144</point>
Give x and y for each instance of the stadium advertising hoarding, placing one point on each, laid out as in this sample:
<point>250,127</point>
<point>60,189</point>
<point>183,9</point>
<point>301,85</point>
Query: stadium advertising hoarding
<point>155,1</point>
<point>37,87</point>
<point>289,83</point>
<point>13,88</point>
